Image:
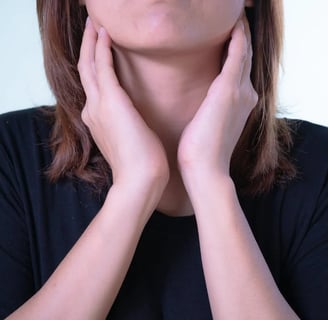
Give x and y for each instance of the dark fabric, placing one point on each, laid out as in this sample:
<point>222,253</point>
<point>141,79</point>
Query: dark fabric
<point>40,222</point>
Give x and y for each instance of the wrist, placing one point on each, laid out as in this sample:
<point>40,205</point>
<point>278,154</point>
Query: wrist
<point>208,185</point>
<point>136,196</point>
<point>154,174</point>
<point>205,173</point>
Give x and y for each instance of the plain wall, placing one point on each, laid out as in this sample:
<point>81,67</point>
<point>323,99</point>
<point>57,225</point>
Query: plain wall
<point>303,84</point>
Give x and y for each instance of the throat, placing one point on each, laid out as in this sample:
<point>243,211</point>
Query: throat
<point>168,91</point>
<point>167,88</point>
<point>175,201</point>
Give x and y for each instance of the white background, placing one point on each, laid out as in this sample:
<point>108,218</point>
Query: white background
<point>303,84</point>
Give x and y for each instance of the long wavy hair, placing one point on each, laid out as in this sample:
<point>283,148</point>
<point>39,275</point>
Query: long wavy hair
<point>260,159</point>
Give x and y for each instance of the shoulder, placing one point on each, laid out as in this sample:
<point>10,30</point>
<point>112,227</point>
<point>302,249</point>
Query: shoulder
<point>302,200</point>
<point>295,204</point>
<point>310,140</point>
<point>24,129</point>
<point>295,212</point>
<point>26,122</point>
<point>303,222</point>
<point>24,141</point>
<point>310,155</point>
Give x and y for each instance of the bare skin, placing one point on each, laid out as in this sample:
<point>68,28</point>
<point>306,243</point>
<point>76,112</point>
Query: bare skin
<point>186,163</point>
<point>202,150</point>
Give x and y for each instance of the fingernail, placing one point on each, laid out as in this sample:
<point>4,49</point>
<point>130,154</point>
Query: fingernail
<point>242,25</point>
<point>102,31</point>
<point>87,21</point>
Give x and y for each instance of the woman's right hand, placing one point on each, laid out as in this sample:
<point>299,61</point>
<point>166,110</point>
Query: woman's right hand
<point>133,151</point>
<point>140,172</point>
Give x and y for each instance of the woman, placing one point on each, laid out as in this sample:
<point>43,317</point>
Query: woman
<point>162,185</point>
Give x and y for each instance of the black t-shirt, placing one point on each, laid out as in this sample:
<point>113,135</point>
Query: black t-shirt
<point>40,222</point>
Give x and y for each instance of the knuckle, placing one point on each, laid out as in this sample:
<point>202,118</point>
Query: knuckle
<point>255,97</point>
<point>80,66</point>
<point>248,96</point>
<point>252,98</point>
<point>250,50</point>
<point>85,116</point>
<point>93,114</point>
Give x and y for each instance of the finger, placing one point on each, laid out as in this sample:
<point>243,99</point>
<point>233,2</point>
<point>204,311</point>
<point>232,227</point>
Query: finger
<point>248,62</point>
<point>247,30</point>
<point>86,61</point>
<point>237,53</point>
<point>106,76</point>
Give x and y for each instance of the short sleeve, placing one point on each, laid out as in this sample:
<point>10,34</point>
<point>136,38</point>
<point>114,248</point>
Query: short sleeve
<point>307,282</point>
<point>16,278</point>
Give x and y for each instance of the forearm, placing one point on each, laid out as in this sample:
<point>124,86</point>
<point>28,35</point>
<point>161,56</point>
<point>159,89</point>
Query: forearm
<point>239,282</point>
<point>87,281</point>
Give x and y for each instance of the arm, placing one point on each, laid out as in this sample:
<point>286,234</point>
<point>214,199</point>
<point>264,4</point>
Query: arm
<point>239,283</point>
<point>238,280</point>
<point>87,281</point>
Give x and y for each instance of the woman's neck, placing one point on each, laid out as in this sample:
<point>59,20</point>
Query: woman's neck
<point>167,89</point>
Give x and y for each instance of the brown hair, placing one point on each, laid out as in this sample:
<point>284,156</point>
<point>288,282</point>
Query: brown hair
<point>260,158</point>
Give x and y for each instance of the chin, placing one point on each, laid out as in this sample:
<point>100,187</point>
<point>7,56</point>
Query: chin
<point>159,47</point>
<point>157,30</point>
<point>165,44</point>
<point>170,40</point>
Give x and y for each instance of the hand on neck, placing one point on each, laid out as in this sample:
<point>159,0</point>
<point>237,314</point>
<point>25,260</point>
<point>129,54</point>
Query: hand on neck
<point>167,89</point>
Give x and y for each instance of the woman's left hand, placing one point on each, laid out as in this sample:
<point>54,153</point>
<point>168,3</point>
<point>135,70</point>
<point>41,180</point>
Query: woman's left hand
<point>209,139</point>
